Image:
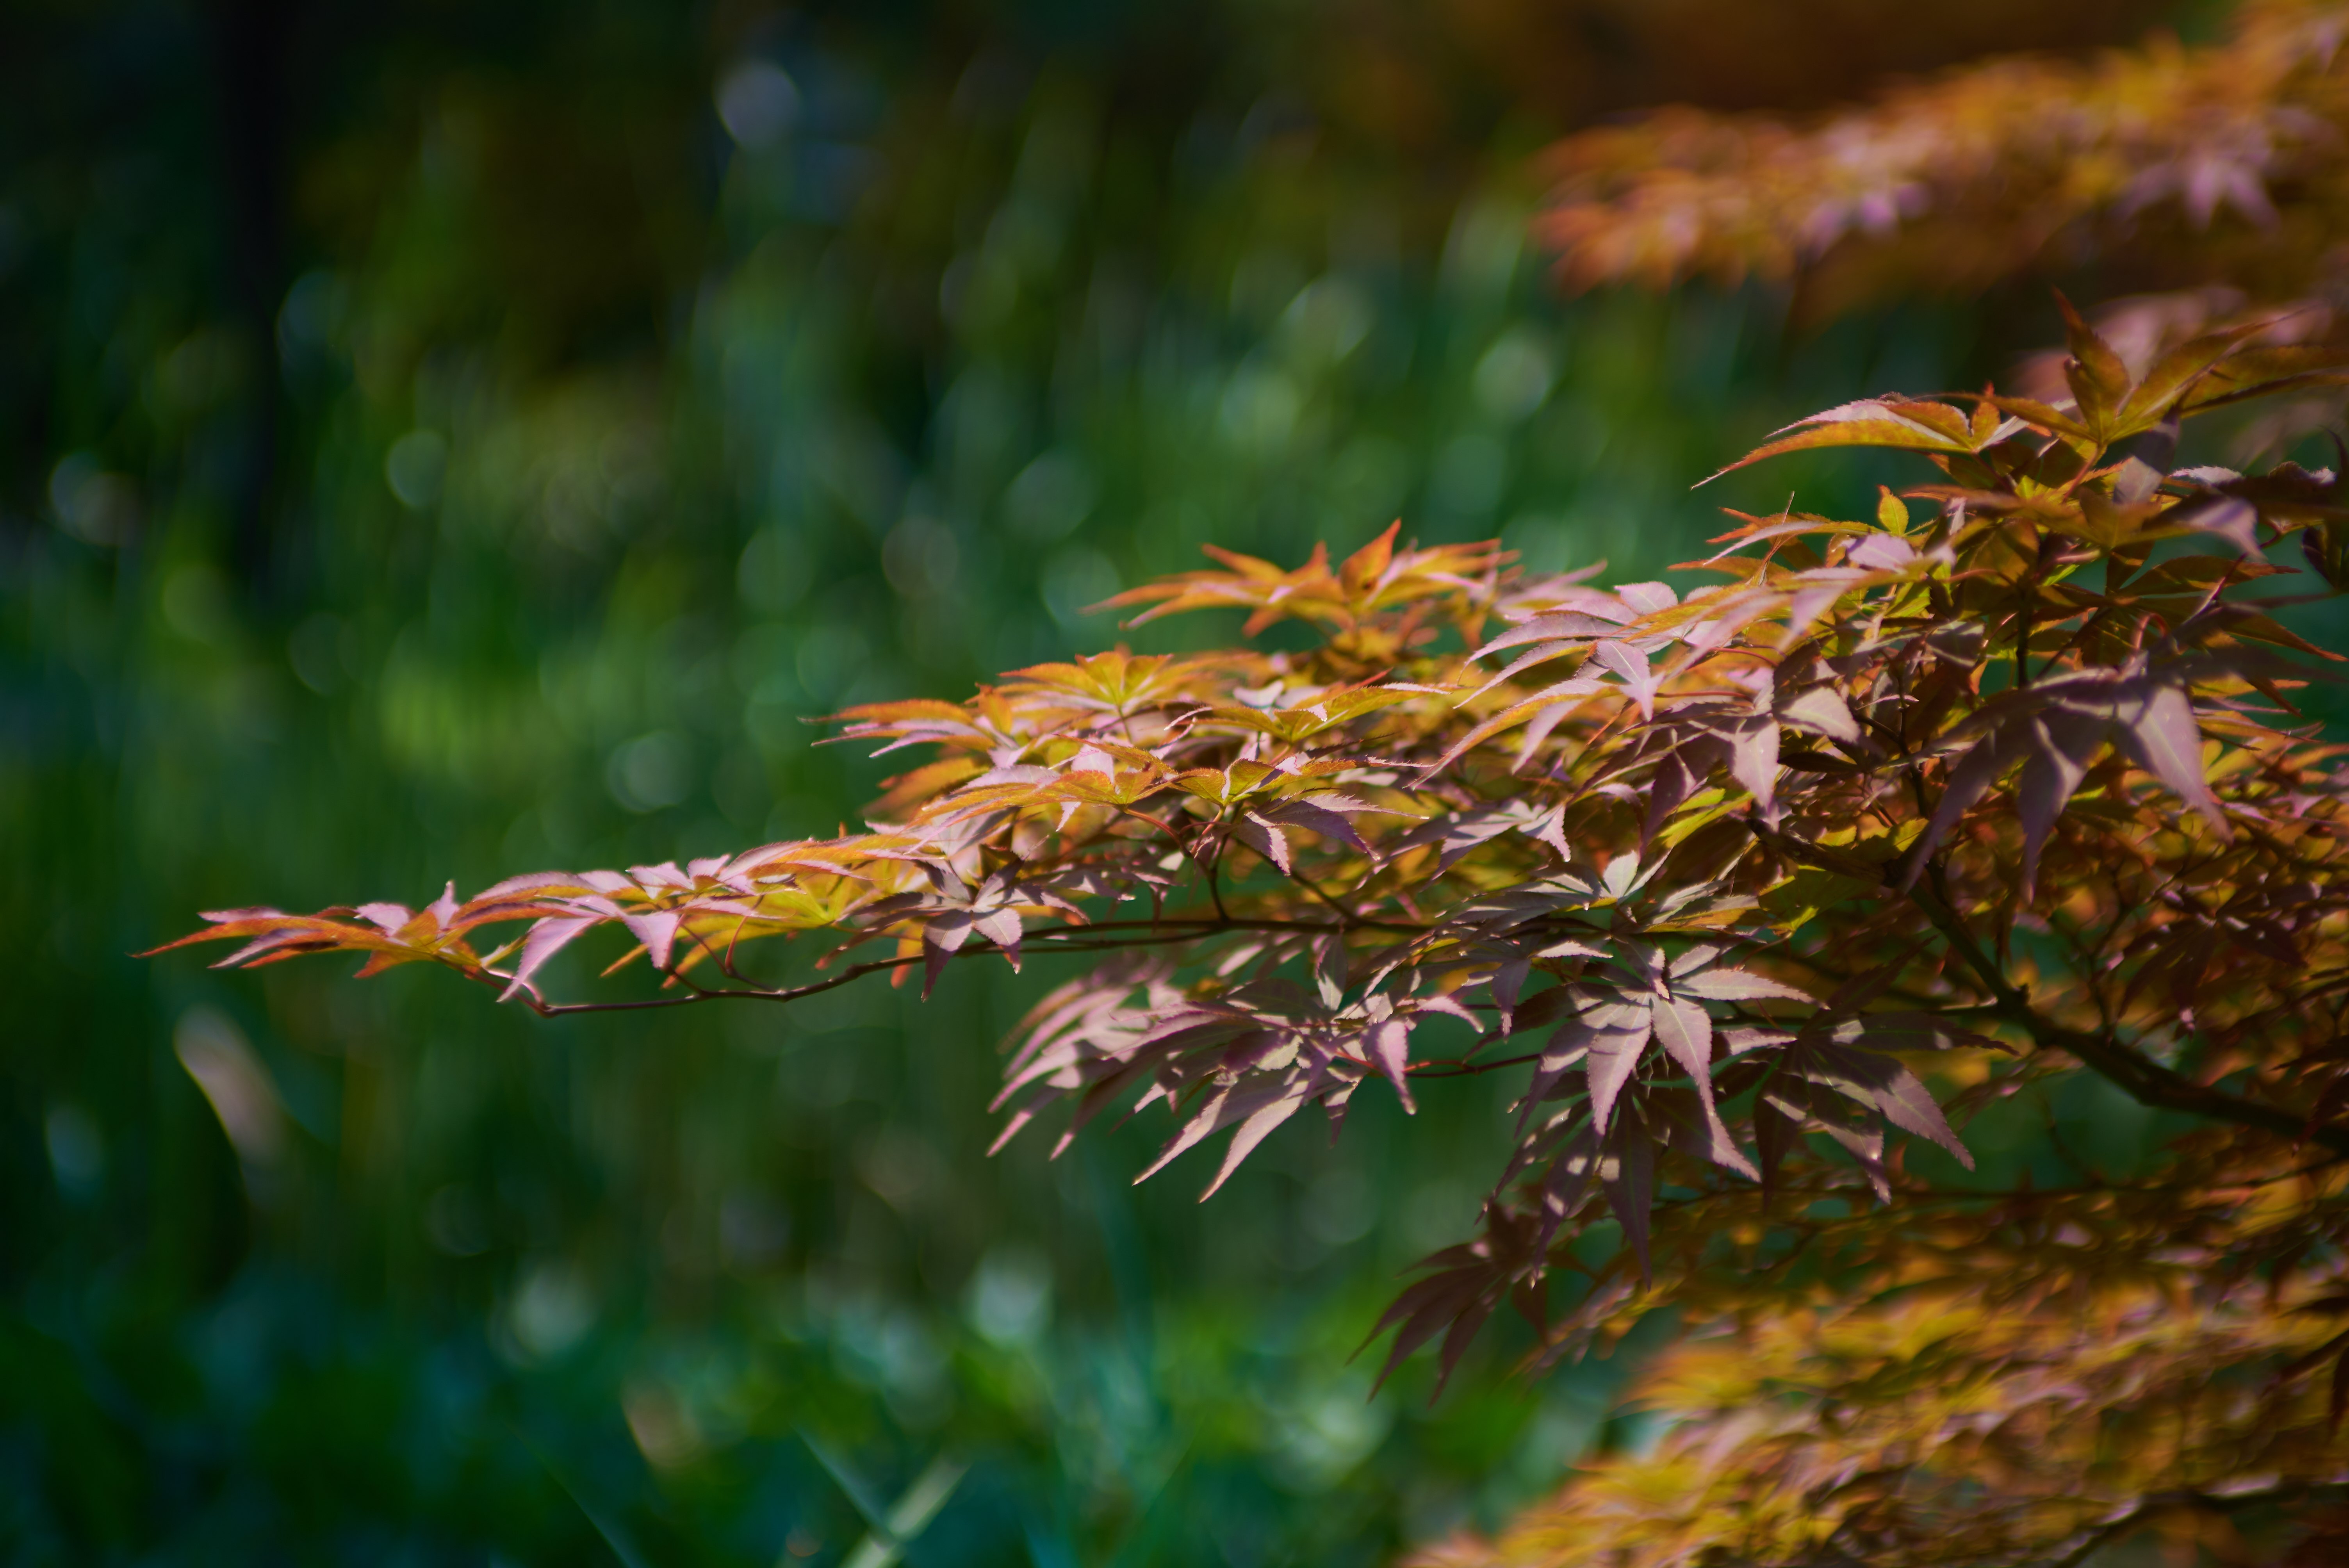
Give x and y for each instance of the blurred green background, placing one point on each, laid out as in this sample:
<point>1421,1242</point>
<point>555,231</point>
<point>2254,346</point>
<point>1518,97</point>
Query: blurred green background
<point>444,442</point>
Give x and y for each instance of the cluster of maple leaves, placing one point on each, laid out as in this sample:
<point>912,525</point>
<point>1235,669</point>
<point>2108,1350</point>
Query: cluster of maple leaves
<point>2002,784</point>
<point>2228,151</point>
<point>1953,1429</point>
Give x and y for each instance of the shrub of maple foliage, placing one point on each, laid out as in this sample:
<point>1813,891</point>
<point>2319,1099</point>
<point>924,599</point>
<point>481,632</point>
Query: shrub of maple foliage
<point>2213,168</point>
<point>1756,883</point>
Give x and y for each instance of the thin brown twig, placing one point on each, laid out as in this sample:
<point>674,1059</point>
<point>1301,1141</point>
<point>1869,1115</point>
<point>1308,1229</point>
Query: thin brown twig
<point>1083,939</point>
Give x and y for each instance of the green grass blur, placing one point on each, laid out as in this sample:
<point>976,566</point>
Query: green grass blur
<point>629,390</point>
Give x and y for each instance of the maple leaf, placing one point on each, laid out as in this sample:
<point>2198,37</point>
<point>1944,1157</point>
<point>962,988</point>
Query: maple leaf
<point>1376,577</point>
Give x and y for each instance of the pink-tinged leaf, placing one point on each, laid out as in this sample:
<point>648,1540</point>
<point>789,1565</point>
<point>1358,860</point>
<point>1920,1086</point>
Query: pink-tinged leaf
<point>1625,875</point>
<point>1458,834</point>
<point>2159,729</point>
<point>1550,828</point>
<point>1195,1027</point>
<point>1573,1173</point>
<point>1737,986</point>
<point>303,939</point>
<point>1334,969</point>
<point>1542,725</point>
<point>1000,926</point>
<point>529,882</point>
<point>1632,665</point>
<point>1457,1338</point>
<point>1544,1008</point>
<point>390,916</point>
<point>1629,1175</point>
<point>1432,1305</point>
<point>1104,1093</point>
<point>1809,602</point>
<point>1685,1032</point>
<point>1334,1102</point>
<point>1508,980</point>
<point>656,930</point>
<point>1387,1046</point>
<point>321,936</point>
<point>1881,553</point>
<point>1691,961</point>
<point>2231,518</point>
<point>546,938</point>
<point>1758,533</point>
<point>2174,375</point>
<point>1613,1037</point>
<point>1542,654</point>
<point>1705,1137</point>
<point>1507,718</point>
<point>1911,1106</point>
<point>1648,598</point>
<point>1754,760</point>
<point>1239,1104</point>
<point>2099,377</point>
<point>1861,1134</point>
<point>1973,776</point>
<point>1264,838</point>
<point>443,909</point>
<point>1676,778</point>
<point>238,916</point>
<point>1450,1007</point>
<point>1569,626</point>
<point>2031,411</point>
<point>1566,1051</point>
<point>2062,745</point>
<point>1822,710</point>
<point>1205,1120</point>
<point>1919,427</point>
<point>942,938</point>
<point>1022,1114</point>
<point>1250,1133</point>
<point>1314,816</point>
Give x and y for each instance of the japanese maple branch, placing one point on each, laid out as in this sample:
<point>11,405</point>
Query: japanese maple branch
<point>2152,1503</point>
<point>1122,934</point>
<point>1913,1197</point>
<point>2143,1079</point>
